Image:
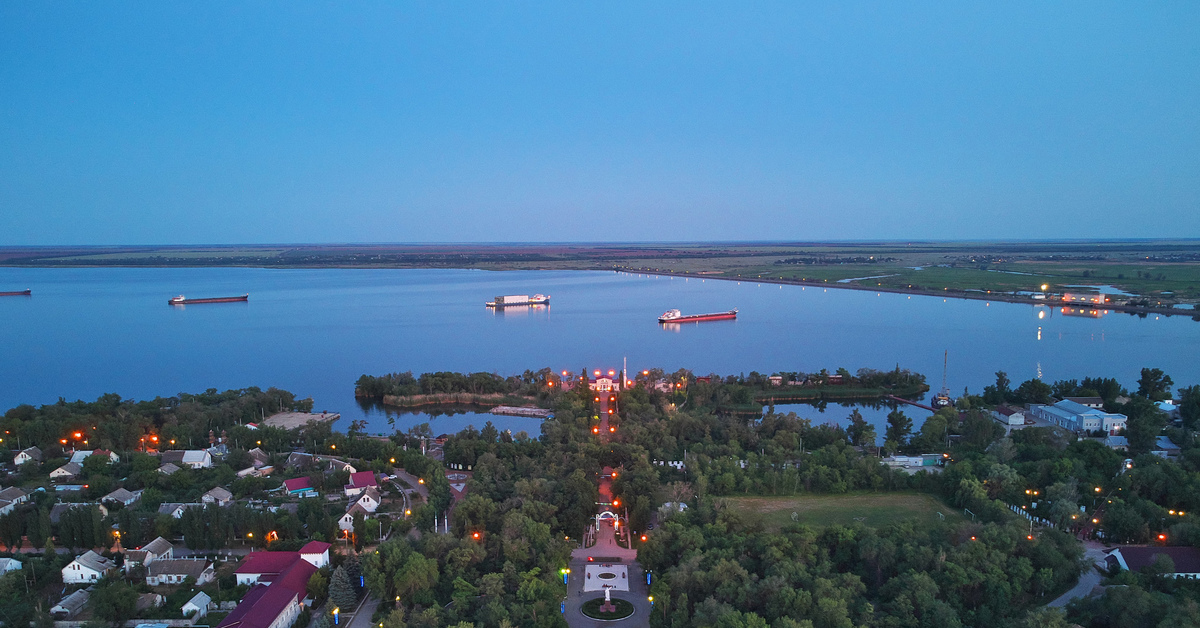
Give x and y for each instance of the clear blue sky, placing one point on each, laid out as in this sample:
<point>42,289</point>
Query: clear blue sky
<point>221,122</point>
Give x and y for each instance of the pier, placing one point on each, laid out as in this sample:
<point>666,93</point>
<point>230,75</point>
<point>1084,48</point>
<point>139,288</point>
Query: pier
<point>910,402</point>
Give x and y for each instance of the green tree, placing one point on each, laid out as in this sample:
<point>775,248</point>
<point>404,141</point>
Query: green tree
<point>114,601</point>
<point>860,432</point>
<point>318,586</point>
<point>341,592</point>
<point>1154,385</point>
<point>899,427</point>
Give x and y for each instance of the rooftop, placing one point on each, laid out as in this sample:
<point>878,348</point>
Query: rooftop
<point>178,566</point>
<point>1186,559</point>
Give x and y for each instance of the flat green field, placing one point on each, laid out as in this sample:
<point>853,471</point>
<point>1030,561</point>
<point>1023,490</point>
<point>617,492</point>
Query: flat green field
<point>870,509</point>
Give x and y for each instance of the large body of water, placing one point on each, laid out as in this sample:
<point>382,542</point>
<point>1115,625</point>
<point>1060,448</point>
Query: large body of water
<point>85,332</point>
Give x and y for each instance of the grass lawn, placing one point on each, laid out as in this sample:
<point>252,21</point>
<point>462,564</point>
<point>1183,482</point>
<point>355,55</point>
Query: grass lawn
<point>871,509</point>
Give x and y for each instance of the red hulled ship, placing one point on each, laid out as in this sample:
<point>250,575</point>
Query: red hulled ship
<point>182,300</point>
<point>18,293</point>
<point>675,316</point>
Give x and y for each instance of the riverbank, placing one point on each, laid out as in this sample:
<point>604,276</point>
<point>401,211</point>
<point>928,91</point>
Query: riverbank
<point>945,293</point>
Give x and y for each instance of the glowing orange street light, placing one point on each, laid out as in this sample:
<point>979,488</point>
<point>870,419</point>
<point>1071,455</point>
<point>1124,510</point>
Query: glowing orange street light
<point>1162,537</point>
<point>597,373</point>
<point>595,430</point>
<point>475,536</point>
<point>1030,537</point>
<point>63,441</point>
<point>421,481</point>
<point>333,446</point>
<point>616,502</point>
<point>612,429</point>
<point>611,372</point>
<point>645,372</point>
<point>643,538</point>
<point>550,384</point>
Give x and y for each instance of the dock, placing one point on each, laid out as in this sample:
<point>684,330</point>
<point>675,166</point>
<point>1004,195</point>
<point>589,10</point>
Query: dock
<point>536,413</point>
<point>910,402</point>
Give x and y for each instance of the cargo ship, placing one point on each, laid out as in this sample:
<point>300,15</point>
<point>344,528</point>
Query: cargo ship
<point>514,300</point>
<point>18,293</point>
<point>182,300</point>
<point>675,316</point>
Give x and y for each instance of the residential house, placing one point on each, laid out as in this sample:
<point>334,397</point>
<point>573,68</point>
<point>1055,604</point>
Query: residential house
<point>83,454</point>
<point>66,472</point>
<point>147,601</point>
<point>70,606</point>
<point>158,549</point>
<point>300,486</point>
<point>10,498</point>
<point>177,570</point>
<point>258,457</point>
<point>9,564</point>
<point>219,496</point>
<point>176,510</point>
<point>1117,443</point>
<point>1165,448</point>
<point>1079,418</point>
<point>14,495</point>
<point>32,454</point>
<point>369,500</point>
<point>346,522</point>
<point>193,458</point>
<point>334,464</point>
<point>168,468</point>
<point>57,510</point>
<point>122,496</point>
<point>1184,561</point>
<point>360,482</point>
<point>196,607</point>
<point>88,567</point>
<point>300,460</point>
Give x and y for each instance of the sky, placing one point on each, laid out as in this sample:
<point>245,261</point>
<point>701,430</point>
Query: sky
<point>307,122</point>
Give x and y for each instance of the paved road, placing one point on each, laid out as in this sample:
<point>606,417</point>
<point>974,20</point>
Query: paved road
<point>1087,581</point>
<point>362,617</point>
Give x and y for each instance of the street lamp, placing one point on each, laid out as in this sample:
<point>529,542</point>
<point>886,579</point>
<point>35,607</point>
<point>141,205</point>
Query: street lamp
<point>335,615</point>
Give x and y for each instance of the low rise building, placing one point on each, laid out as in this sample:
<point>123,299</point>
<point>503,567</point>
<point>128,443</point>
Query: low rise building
<point>274,605</point>
<point>176,509</point>
<point>31,454</point>
<point>1079,418</point>
<point>148,601</point>
<point>57,510</point>
<point>122,496</point>
<point>70,606</point>
<point>83,454</point>
<point>346,522</point>
<point>10,564</point>
<point>66,473</point>
<point>177,570</point>
<point>1165,448</point>
<point>87,567</point>
<point>299,486</point>
<point>1008,415</point>
<point>168,468</point>
<point>1096,403</point>
<point>196,607</point>
<point>1184,562</point>
<point>158,549</point>
<point>192,458</point>
<point>360,482</point>
<point>369,500</point>
<point>219,496</point>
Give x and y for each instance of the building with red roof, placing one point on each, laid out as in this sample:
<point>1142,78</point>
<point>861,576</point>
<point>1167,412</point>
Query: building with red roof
<point>299,486</point>
<point>281,587</point>
<point>360,482</point>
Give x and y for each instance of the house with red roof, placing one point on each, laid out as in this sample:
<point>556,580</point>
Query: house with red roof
<point>360,482</point>
<point>300,486</point>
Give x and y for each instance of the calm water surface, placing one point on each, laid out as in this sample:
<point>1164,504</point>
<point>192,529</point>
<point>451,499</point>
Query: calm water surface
<point>85,332</point>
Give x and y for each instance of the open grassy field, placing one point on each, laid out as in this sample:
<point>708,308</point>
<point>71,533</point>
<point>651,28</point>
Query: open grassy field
<point>870,509</point>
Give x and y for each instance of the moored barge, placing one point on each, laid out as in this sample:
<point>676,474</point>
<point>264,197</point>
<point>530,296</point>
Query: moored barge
<point>17,293</point>
<point>675,316</point>
<point>182,300</point>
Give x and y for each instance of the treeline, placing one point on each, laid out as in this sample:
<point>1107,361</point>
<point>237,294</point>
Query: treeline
<point>716,567</point>
<point>404,384</point>
<point>119,424</point>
